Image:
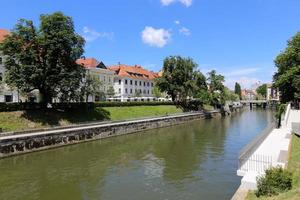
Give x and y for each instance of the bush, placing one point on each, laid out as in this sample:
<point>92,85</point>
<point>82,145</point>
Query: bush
<point>132,103</point>
<point>275,181</point>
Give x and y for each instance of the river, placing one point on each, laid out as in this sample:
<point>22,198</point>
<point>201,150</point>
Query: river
<point>196,160</point>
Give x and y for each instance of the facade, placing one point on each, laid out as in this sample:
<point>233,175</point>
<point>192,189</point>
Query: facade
<point>6,94</point>
<point>132,83</point>
<point>272,93</point>
<point>248,94</point>
<point>98,69</point>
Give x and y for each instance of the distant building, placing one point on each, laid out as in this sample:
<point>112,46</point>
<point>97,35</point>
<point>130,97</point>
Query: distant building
<point>99,69</point>
<point>133,83</point>
<point>248,94</point>
<point>6,94</point>
<point>272,93</point>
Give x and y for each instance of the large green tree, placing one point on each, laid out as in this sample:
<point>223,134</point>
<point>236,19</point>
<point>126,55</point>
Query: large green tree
<point>216,88</point>
<point>287,77</point>
<point>43,58</point>
<point>262,90</point>
<point>238,90</point>
<point>180,79</point>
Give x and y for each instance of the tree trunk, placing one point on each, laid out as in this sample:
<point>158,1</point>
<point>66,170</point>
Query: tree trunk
<point>45,98</point>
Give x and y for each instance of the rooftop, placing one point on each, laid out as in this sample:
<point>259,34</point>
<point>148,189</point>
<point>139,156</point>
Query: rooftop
<point>90,63</point>
<point>3,34</point>
<point>134,72</point>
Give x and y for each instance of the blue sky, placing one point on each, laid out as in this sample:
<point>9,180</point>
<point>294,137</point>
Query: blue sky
<point>238,38</point>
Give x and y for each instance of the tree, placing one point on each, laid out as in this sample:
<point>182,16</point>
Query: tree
<point>238,90</point>
<point>110,92</point>
<point>44,58</point>
<point>216,88</point>
<point>288,70</point>
<point>180,80</point>
<point>262,90</point>
<point>156,92</point>
<point>91,86</point>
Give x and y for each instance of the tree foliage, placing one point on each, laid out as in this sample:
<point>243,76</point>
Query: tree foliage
<point>91,86</point>
<point>262,90</point>
<point>111,91</point>
<point>181,80</point>
<point>238,90</point>
<point>287,77</point>
<point>44,58</point>
<point>216,88</point>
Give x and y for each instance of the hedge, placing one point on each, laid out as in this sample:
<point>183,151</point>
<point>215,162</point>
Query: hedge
<point>5,107</point>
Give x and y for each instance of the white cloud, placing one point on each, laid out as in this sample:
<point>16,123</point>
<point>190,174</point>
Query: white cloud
<point>156,37</point>
<point>185,31</point>
<point>245,82</point>
<point>187,3</point>
<point>91,35</point>
<point>243,71</point>
<point>177,22</point>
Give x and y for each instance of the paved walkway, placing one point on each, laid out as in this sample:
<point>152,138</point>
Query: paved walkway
<point>272,152</point>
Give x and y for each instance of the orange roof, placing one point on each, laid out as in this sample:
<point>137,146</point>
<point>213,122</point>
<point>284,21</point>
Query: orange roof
<point>135,72</point>
<point>88,62</point>
<point>3,34</point>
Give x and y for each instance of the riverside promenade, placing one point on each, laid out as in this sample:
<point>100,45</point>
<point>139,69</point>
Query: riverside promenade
<point>272,152</point>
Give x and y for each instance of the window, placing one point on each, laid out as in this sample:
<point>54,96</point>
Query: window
<point>130,82</point>
<point>144,84</point>
<point>148,91</point>
<point>151,84</point>
<point>119,82</point>
<point>0,60</point>
<point>148,84</point>
<point>144,92</point>
<point>8,98</point>
<point>130,91</point>
<point>120,90</point>
<point>125,81</point>
<point>135,82</point>
<point>1,77</point>
<point>140,83</point>
<point>126,91</point>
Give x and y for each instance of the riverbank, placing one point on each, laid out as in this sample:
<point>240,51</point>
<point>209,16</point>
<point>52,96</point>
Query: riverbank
<point>294,167</point>
<point>14,144</point>
<point>35,119</point>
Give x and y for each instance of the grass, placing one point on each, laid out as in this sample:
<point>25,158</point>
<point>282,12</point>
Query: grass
<point>294,167</point>
<point>21,120</point>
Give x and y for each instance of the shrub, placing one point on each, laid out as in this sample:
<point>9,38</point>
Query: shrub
<point>275,181</point>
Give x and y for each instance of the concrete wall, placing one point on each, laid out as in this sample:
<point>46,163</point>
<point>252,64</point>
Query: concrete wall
<point>36,141</point>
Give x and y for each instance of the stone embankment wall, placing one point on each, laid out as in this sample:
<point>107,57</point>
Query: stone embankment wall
<point>35,141</point>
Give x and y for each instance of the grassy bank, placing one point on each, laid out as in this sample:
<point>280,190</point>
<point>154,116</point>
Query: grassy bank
<point>293,166</point>
<point>21,120</point>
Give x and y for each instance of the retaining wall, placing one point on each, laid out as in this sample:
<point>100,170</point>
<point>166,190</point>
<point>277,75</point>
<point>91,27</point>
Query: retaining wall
<point>36,141</point>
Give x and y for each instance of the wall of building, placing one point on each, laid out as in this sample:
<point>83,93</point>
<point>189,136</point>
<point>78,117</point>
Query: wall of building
<point>126,87</point>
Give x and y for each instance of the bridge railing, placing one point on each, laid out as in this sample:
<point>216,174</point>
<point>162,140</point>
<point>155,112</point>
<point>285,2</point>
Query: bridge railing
<point>256,163</point>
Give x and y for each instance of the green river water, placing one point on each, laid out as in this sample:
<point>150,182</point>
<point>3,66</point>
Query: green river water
<point>196,160</point>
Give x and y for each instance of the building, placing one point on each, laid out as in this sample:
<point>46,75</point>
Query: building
<point>99,69</point>
<point>132,83</point>
<point>272,93</point>
<point>6,94</point>
<point>248,94</point>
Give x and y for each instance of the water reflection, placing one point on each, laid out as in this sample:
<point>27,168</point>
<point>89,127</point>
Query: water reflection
<point>188,161</point>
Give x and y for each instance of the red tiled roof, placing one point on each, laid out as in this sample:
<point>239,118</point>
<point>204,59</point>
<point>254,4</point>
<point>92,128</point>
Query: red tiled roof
<point>135,72</point>
<point>88,62</point>
<point>3,34</point>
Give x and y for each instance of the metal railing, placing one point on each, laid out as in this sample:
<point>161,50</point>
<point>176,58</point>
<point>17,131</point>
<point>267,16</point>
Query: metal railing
<point>256,163</point>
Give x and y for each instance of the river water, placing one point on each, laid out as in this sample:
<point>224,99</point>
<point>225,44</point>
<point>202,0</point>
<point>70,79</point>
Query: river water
<point>196,160</point>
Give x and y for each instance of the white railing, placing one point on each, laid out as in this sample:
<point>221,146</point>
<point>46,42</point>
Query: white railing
<point>255,163</point>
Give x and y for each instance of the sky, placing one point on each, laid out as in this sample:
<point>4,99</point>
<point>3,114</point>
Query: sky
<point>238,38</point>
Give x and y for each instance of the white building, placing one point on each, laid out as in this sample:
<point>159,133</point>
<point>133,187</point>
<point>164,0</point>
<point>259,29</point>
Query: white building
<point>6,94</point>
<point>272,93</point>
<point>105,75</point>
<point>133,83</point>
